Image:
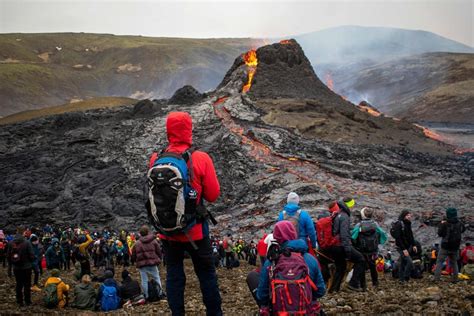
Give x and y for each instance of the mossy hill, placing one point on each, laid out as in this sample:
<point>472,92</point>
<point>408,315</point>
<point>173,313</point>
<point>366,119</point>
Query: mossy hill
<point>38,70</point>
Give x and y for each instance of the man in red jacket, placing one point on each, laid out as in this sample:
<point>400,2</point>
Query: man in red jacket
<point>204,181</point>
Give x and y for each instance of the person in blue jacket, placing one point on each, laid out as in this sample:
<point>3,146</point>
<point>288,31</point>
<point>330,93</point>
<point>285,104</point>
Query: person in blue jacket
<point>301,219</point>
<point>285,235</point>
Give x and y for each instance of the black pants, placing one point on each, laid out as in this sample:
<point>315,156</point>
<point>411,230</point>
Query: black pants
<point>37,271</point>
<point>23,285</point>
<point>337,254</point>
<point>85,267</point>
<point>203,262</point>
<point>358,276</point>
<point>370,264</point>
<point>229,259</point>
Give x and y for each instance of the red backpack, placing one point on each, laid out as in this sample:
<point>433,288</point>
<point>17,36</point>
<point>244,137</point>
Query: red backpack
<point>324,231</point>
<point>291,287</point>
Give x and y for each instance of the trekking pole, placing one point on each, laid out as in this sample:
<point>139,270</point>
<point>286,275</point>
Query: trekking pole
<point>323,255</point>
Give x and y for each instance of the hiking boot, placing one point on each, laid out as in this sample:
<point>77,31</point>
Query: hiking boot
<point>353,288</point>
<point>35,288</point>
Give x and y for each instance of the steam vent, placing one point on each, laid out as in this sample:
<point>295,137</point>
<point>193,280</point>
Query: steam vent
<point>281,71</point>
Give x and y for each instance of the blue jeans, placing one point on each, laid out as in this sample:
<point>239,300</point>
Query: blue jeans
<point>155,274</point>
<point>405,267</point>
<point>204,268</point>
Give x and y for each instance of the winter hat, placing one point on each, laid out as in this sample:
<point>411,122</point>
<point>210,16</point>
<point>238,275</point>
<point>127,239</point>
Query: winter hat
<point>333,207</point>
<point>125,274</point>
<point>284,231</point>
<point>366,213</point>
<point>55,273</point>
<point>403,214</point>
<point>293,198</point>
<point>451,212</point>
<point>108,274</point>
<point>33,238</point>
<point>349,202</point>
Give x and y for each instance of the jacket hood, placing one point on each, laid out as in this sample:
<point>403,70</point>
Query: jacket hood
<point>284,231</point>
<point>84,286</point>
<point>297,245</point>
<point>291,208</point>
<point>344,208</point>
<point>179,128</point>
<point>147,239</point>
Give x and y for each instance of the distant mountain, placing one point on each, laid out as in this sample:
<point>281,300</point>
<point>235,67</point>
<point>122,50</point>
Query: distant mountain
<point>433,87</point>
<point>38,70</point>
<point>358,44</point>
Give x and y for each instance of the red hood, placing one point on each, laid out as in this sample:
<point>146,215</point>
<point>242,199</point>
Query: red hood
<point>179,128</point>
<point>284,231</point>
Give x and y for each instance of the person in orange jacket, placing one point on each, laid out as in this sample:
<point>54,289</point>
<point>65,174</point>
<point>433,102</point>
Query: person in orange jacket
<point>196,242</point>
<point>62,288</point>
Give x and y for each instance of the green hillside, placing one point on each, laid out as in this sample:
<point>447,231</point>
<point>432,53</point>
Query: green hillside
<point>52,69</point>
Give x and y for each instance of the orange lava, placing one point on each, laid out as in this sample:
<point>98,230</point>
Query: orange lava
<point>285,42</point>
<point>369,110</point>
<point>329,82</point>
<point>251,61</point>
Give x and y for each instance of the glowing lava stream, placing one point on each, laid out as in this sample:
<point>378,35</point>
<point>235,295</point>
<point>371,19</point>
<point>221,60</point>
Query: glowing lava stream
<point>251,61</point>
<point>303,169</point>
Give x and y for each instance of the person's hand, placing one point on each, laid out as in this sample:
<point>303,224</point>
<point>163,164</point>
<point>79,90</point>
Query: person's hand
<point>405,253</point>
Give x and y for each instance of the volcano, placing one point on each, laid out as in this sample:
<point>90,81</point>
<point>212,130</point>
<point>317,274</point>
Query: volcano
<point>286,132</point>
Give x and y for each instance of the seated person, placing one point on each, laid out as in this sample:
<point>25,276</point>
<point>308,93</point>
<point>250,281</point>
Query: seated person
<point>62,290</point>
<point>292,253</point>
<point>85,295</point>
<point>131,291</point>
<point>111,301</point>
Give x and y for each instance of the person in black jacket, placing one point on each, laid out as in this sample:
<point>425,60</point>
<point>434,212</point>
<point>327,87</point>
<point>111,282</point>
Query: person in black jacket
<point>342,228</point>
<point>20,254</point>
<point>131,290</point>
<point>450,231</point>
<point>405,243</point>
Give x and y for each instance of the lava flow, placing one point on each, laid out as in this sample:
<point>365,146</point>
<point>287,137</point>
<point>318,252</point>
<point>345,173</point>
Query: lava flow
<point>303,169</point>
<point>329,82</point>
<point>251,61</point>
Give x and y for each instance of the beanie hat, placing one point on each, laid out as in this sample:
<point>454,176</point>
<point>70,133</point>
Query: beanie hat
<point>55,273</point>
<point>403,214</point>
<point>333,207</point>
<point>366,213</point>
<point>451,212</point>
<point>293,198</point>
<point>349,202</point>
<point>125,274</point>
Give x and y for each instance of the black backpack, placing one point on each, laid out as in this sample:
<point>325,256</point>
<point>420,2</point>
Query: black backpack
<point>394,231</point>
<point>368,240</point>
<point>452,241</point>
<point>155,292</point>
<point>171,200</point>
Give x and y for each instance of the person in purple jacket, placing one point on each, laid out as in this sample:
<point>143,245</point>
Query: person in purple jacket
<point>147,255</point>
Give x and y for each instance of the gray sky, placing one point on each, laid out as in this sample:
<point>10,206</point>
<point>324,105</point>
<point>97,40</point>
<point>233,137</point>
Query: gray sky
<point>449,18</point>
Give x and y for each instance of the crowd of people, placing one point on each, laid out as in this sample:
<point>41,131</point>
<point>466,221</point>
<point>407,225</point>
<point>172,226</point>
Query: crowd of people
<point>297,263</point>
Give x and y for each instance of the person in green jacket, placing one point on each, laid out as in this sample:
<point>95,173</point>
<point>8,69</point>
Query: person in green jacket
<point>367,236</point>
<point>85,294</point>
<point>468,269</point>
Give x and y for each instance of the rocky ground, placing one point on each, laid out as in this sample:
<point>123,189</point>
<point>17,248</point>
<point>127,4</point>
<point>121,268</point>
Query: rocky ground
<point>416,297</point>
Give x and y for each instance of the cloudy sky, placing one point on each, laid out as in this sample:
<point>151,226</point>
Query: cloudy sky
<point>209,19</point>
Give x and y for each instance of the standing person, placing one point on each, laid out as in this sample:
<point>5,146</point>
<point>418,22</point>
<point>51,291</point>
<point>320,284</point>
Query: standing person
<point>229,254</point>
<point>54,255</point>
<point>301,219</point>
<point>262,249</point>
<point>341,228</point>
<point>67,249</point>
<point>20,255</point>
<point>401,231</point>
<point>196,242</point>
<point>38,251</point>
<point>147,255</point>
<point>450,230</point>
<point>3,249</point>
<point>367,236</point>
<point>82,254</point>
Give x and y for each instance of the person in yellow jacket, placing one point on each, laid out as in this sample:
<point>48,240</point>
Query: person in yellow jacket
<point>62,288</point>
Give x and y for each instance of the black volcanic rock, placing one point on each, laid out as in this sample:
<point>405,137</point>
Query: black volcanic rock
<point>145,107</point>
<point>185,95</point>
<point>283,71</point>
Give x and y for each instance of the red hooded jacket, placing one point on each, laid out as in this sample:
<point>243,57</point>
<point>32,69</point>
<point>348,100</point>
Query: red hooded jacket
<point>179,129</point>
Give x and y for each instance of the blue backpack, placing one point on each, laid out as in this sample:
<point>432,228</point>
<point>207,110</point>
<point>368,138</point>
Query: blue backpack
<point>109,300</point>
<point>171,202</point>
